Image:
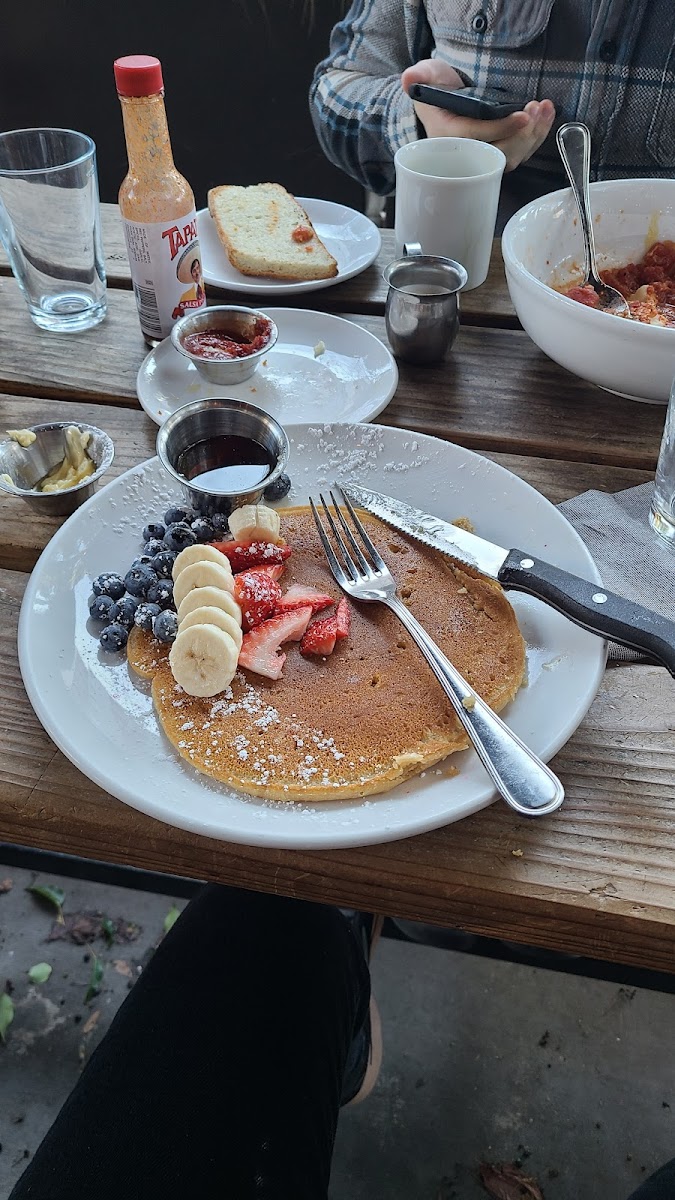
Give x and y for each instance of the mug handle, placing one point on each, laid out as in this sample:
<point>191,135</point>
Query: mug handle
<point>412,248</point>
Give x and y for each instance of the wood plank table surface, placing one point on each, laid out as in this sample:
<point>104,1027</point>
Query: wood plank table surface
<point>596,878</point>
<point>366,293</point>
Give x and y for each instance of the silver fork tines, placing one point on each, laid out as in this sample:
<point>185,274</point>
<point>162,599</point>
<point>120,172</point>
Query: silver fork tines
<point>336,568</point>
<point>519,776</point>
<point>377,561</point>
<point>366,568</point>
<point>357,576</point>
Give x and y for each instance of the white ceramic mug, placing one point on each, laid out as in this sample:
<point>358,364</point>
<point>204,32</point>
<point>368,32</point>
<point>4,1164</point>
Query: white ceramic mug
<point>447,193</point>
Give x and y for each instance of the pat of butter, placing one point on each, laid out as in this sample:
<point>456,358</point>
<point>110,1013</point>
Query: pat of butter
<point>411,758</point>
<point>319,349</point>
<point>76,465</point>
<point>25,437</point>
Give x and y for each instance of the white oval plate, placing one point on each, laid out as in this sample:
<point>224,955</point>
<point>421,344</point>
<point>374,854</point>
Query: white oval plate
<point>103,719</point>
<point>350,236</point>
<point>353,380</point>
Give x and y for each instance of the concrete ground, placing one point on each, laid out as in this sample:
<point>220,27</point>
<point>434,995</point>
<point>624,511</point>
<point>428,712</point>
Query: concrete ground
<point>484,1061</point>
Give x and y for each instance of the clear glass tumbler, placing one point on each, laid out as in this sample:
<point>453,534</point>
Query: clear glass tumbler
<point>50,225</point>
<point>662,511</point>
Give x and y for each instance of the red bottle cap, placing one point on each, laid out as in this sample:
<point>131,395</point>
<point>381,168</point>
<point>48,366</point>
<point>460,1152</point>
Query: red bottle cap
<point>138,75</point>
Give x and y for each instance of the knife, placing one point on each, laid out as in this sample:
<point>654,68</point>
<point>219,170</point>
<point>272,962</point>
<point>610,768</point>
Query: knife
<point>587,604</point>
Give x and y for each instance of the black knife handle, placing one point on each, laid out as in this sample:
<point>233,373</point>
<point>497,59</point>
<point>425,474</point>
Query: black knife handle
<point>592,606</point>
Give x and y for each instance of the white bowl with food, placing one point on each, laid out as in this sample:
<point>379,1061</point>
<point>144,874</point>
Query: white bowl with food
<point>543,252</point>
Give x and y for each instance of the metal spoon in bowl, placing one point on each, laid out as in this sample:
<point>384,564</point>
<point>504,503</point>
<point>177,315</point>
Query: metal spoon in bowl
<point>574,144</point>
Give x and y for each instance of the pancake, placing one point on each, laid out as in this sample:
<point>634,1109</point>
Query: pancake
<point>371,714</point>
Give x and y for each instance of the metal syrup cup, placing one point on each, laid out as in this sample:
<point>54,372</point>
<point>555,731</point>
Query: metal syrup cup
<point>201,420</point>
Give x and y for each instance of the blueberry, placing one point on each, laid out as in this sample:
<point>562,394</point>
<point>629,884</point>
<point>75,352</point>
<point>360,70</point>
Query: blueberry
<point>220,524</point>
<point>165,626</point>
<point>143,560</point>
<point>178,536</point>
<point>153,546</point>
<point>108,584</point>
<point>176,515</point>
<point>139,579</point>
<point>123,612</point>
<point>281,487</point>
<point>101,607</point>
<point>162,563</point>
<point>203,529</point>
<point>145,615</point>
<point>161,593</point>
<point>113,638</point>
<point>154,530</point>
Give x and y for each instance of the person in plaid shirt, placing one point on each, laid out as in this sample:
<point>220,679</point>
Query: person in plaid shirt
<point>609,63</point>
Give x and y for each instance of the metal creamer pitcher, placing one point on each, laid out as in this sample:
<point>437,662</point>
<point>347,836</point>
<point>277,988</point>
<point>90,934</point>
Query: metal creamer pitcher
<point>422,310</point>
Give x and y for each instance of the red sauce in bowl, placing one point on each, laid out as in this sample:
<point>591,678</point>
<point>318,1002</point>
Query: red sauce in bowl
<point>648,286</point>
<point>218,345</point>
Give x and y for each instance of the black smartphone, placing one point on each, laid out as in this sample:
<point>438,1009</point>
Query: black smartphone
<point>485,105</point>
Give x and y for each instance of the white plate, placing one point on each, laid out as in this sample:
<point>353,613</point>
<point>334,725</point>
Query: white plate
<point>103,719</point>
<point>350,236</point>
<point>353,380</point>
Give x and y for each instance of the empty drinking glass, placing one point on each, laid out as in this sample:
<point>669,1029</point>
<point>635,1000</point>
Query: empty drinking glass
<point>662,512</point>
<point>50,225</point>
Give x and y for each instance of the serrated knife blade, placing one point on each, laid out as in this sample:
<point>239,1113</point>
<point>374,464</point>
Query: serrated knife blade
<point>586,603</point>
<point>432,531</point>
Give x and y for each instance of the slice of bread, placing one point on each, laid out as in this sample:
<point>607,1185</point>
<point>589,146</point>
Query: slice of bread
<point>266,232</point>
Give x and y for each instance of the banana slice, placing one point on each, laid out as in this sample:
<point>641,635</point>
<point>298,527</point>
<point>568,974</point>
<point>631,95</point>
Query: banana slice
<point>201,574</point>
<point>199,553</point>
<point>209,597</point>
<point>203,660</point>
<point>255,523</point>
<point>214,616</point>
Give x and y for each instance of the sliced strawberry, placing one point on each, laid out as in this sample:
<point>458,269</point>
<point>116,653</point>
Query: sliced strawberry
<point>243,555</point>
<point>274,572</point>
<point>343,616</point>
<point>320,637</point>
<point>257,596</point>
<point>260,647</point>
<point>299,594</point>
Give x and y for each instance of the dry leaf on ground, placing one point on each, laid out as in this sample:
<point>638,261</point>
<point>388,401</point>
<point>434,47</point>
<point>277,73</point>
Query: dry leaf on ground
<point>123,968</point>
<point>91,1021</point>
<point>76,927</point>
<point>506,1181</point>
<point>83,927</point>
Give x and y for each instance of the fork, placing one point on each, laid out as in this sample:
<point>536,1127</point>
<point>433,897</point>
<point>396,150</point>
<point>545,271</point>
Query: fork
<point>520,777</point>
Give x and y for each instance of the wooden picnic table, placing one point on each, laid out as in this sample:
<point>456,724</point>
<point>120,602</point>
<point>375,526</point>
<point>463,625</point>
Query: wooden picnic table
<point>595,879</point>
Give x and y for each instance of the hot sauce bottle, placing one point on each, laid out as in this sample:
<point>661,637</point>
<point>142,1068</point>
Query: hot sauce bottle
<point>157,205</point>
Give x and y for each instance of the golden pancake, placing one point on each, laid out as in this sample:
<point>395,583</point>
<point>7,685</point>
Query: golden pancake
<point>369,715</point>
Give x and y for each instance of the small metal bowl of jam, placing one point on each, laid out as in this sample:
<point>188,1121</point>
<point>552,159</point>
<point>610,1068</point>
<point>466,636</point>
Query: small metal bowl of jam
<point>224,453</point>
<point>50,468</point>
<point>225,342</point>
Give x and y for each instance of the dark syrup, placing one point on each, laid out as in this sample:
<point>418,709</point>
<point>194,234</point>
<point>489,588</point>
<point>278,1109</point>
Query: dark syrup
<point>228,463</point>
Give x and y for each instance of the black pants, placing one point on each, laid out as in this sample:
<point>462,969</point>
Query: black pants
<point>221,1075</point>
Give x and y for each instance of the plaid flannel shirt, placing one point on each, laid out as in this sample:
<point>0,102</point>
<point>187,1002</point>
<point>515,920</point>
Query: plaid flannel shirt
<point>609,63</point>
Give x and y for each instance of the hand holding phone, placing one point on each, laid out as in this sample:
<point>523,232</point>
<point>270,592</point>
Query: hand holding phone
<point>446,109</point>
<point>481,105</point>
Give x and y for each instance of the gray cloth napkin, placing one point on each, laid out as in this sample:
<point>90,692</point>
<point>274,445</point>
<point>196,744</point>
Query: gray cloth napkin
<point>630,558</point>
